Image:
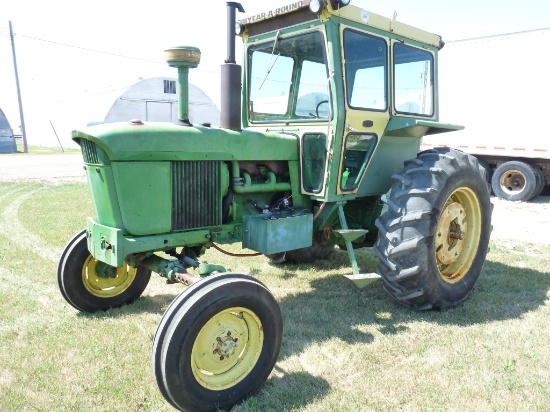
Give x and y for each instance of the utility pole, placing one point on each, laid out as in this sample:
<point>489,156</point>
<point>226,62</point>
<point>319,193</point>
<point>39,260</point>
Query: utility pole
<point>23,133</point>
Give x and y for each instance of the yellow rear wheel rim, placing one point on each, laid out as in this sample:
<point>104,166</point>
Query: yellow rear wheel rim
<point>106,287</point>
<point>227,348</point>
<point>457,235</point>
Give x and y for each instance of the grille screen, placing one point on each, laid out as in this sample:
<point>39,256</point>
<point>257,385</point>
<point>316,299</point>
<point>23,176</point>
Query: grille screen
<point>89,152</point>
<point>196,194</point>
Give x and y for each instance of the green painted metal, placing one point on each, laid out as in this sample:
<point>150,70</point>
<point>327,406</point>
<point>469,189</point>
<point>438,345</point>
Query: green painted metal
<point>171,142</point>
<point>271,233</point>
<point>407,127</point>
<point>349,235</point>
<point>206,269</point>
<point>183,58</point>
<point>141,200</point>
<point>349,247</point>
<point>105,199</point>
<point>111,246</point>
<point>359,279</point>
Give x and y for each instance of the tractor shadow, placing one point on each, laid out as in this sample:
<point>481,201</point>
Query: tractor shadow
<point>327,307</point>
<point>299,388</point>
<point>334,308</point>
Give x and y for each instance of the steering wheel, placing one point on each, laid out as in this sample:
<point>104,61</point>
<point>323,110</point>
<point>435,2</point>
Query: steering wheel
<point>317,107</point>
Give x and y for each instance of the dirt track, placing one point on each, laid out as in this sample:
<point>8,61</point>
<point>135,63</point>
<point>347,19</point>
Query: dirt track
<point>525,221</point>
<point>42,167</point>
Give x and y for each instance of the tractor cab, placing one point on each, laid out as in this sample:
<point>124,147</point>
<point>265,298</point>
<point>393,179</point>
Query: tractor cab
<point>348,83</point>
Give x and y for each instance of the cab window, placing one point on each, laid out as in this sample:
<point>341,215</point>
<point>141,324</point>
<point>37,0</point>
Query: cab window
<point>314,158</point>
<point>413,83</point>
<point>357,153</point>
<point>288,79</point>
<point>366,70</point>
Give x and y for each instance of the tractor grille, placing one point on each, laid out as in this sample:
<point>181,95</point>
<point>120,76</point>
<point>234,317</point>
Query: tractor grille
<point>89,152</point>
<point>196,194</point>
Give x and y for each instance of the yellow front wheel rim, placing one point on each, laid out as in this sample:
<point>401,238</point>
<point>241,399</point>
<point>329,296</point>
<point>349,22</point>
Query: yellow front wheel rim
<point>457,235</point>
<point>227,348</point>
<point>106,286</point>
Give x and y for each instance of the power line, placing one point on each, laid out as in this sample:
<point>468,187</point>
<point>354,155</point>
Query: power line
<point>494,36</point>
<point>106,53</point>
<point>92,50</point>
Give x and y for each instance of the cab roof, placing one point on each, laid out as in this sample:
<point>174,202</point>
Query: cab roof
<point>298,12</point>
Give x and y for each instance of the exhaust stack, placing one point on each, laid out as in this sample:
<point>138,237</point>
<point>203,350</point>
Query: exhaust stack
<point>230,116</point>
<point>183,58</point>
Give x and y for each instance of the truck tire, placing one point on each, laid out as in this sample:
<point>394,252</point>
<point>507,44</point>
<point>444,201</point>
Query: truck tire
<point>515,181</point>
<point>541,181</point>
<point>434,233</point>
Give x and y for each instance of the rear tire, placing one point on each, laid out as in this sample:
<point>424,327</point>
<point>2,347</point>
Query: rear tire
<point>434,233</point>
<point>515,181</point>
<point>217,343</point>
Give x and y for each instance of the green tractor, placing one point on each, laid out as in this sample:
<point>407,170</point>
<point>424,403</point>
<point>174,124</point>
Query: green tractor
<point>323,153</point>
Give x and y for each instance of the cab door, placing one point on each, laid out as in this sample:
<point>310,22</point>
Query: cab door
<point>366,74</point>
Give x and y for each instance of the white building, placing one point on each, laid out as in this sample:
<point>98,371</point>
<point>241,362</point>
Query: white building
<point>150,100</point>
<point>7,141</point>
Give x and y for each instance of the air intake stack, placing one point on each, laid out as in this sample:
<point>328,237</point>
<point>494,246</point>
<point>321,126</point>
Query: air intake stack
<point>184,58</point>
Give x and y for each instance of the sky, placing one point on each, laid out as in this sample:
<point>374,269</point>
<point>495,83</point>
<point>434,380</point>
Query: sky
<point>69,49</point>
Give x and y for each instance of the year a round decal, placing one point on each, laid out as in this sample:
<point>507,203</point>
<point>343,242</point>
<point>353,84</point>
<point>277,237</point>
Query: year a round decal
<point>365,16</point>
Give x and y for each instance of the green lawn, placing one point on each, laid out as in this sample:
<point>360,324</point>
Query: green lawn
<point>344,349</point>
<point>44,149</point>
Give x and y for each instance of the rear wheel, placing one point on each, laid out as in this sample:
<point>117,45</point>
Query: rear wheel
<point>514,180</point>
<point>90,285</point>
<point>434,235</point>
<point>217,342</point>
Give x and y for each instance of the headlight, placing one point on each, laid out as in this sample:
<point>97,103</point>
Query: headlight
<point>337,4</point>
<point>239,28</point>
<point>316,5</point>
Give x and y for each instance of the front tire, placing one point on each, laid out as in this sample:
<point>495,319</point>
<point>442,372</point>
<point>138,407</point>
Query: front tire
<point>434,235</point>
<point>86,290</point>
<point>217,343</point>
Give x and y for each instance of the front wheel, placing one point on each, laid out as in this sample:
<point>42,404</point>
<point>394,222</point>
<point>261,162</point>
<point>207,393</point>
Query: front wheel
<point>434,235</point>
<point>90,285</point>
<point>217,343</point>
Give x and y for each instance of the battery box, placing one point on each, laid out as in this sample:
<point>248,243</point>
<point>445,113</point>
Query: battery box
<point>270,233</point>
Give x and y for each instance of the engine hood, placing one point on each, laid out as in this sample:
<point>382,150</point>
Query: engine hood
<point>167,141</point>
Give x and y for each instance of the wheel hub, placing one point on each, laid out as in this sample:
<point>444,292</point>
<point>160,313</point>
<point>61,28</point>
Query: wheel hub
<point>451,232</point>
<point>105,281</point>
<point>227,348</point>
<point>513,181</point>
<point>225,345</point>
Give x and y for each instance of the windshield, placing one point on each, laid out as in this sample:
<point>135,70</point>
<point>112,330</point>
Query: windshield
<point>288,79</point>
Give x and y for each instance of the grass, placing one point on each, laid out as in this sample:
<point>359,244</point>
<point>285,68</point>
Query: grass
<point>344,349</point>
